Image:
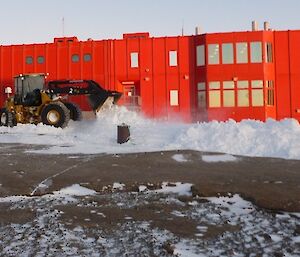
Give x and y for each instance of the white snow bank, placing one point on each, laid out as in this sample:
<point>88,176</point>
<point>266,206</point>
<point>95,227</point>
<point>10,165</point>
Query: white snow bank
<point>249,137</point>
<point>218,158</point>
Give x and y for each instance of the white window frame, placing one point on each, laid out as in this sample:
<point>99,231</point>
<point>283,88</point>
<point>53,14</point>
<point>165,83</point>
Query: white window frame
<point>200,54</point>
<point>174,98</point>
<point>173,58</point>
<point>134,60</point>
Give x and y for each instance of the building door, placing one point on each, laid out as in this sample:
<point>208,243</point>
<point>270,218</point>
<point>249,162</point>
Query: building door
<point>131,95</point>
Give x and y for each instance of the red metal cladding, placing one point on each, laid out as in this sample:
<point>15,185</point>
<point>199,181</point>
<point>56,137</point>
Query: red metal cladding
<point>220,76</point>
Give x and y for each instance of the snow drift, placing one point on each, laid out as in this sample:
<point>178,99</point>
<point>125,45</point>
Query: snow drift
<point>250,138</point>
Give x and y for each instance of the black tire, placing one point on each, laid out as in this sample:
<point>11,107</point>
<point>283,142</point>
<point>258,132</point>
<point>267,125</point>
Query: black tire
<point>75,112</point>
<point>55,114</point>
<point>7,119</point>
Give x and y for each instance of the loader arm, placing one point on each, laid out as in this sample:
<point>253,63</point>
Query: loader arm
<point>96,94</point>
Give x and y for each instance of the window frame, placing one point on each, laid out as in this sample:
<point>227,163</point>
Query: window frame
<point>134,60</point>
<point>225,59</point>
<point>242,58</point>
<point>214,93</point>
<point>201,95</point>
<point>213,54</point>
<point>75,58</point>
<point>174,97</point>
<point>85,57</point>
<point>200,55</point>
<point>256,54</point>
<point>173,58</point>
<point>29,60</point>
<point>40,59</point>
<point>226,91</point>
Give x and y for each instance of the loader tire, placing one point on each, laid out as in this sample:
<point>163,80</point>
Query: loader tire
<point>55,114</point>
<point>75,112</point>
<point>7,119</point>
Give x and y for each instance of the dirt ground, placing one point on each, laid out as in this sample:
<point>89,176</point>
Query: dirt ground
<point>127,222</point>
<point>270,183</point>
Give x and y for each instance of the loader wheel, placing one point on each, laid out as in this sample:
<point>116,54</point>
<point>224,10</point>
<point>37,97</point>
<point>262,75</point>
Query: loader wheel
<point>55,114</point>
<point>75,112</point>
<point>7,118</point>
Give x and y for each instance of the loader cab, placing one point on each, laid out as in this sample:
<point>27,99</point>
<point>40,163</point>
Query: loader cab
<point>27,89</point>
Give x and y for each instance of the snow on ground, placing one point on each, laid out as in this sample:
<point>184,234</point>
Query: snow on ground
<point>219,158</point>
<point>249,137</point>
<point>179,158</point>
<point>223,226</point>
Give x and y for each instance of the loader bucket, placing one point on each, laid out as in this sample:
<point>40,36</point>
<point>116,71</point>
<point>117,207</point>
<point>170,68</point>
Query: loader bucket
<point>96,95</point>
<point>103,100</point>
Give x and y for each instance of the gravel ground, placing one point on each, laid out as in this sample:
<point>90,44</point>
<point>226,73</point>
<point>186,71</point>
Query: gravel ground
<point>240,206</point>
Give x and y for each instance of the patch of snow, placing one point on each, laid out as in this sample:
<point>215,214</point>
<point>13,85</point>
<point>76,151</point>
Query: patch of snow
<point>219,158</point>
<point>251,138</point>
<point>13,199</point>
<point>179,158</point>
<point>235,204</point>
<point>142,188</point>
<point>118,186</point>
<point>75,190</point>
<point>175,188</point>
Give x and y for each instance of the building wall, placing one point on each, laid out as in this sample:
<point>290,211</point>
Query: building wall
<point>176,77</point>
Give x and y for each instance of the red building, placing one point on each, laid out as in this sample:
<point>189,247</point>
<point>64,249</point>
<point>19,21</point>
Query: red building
<point>239,75</point>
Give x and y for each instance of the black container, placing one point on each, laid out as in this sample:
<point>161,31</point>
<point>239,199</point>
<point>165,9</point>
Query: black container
<point>123,133</point>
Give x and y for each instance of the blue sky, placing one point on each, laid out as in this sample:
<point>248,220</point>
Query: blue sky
<point>30,21</point>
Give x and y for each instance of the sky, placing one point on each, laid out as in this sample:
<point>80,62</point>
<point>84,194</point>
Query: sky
<point>38,21</point>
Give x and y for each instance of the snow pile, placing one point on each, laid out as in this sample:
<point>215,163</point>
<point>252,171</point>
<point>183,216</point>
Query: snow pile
<point>179,158</point>
<point>176,188</point>
<point>219,158</point>
<point>75,190</point>
<point>249,137</point>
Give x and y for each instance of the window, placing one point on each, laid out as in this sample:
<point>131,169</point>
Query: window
<point>201,95</point>
<point>269,52</point>
<point>228,94</point>
<point>214,94</point>
<point>87,57</point>
<point>256,52</point>
<point>243,93</point>
<point>257,93</point>
<point>213,54</point>
<point>40,59</point>
<point>174,97</point>
<point>200,55</point>
<point>29,60</point>
<point>75,58</point>
<point>241,52</point>
<point>173,58</point>
<point>270,93</point>
<point>134,60</point>
<point>227,53</point>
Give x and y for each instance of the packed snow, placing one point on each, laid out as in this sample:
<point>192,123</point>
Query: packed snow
<point>248,137</point>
